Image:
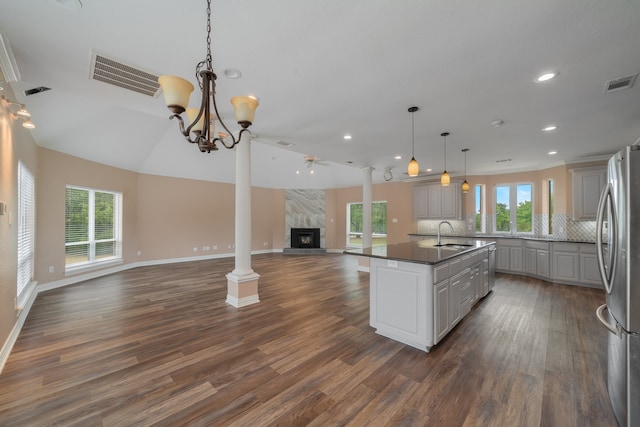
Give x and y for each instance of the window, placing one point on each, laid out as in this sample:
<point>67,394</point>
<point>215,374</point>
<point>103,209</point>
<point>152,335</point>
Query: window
<point>520,219</point>
<point>547,205</point>
<point>92,227</point>
<point>480,209</point>
<point>26,227</point>
<point>549,200</point>
<point>378,224</point>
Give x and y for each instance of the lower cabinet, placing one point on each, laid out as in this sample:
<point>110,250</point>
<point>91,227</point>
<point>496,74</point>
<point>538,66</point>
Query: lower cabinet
<point>509,255</point>
<point>441,307</point>
<point>565,263</point>
<point>453,297</point>
<point>536,259</point>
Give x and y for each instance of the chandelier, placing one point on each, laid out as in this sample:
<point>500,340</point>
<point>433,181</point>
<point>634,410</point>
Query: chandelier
<point>201,122</point>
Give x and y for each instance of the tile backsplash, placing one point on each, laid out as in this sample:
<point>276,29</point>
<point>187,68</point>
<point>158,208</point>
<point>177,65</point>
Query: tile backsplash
<point>564,228</point>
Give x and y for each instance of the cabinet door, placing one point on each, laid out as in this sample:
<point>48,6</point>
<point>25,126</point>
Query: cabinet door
<point>440,310</point>
<point>542,264</point>
<point>515,259</point>
<point>455,284</point>
<point>420,201</point>
<point>589,272</point>
<point>434,201</point>
<point>530,265</point>
<point>450,197</point>
<point>502,258</point>
<point>565,266</point>
<point>587,185</point>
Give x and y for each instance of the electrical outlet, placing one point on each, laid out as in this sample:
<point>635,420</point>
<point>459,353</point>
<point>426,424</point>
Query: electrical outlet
<point>215,247</point>
<point>205,248</point>
<point>394,220</point>
<point>195,249</point>
<point>51,269</point>
<point>139,253</point>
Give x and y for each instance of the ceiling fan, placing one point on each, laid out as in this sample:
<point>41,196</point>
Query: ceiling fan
<point>311,161</point>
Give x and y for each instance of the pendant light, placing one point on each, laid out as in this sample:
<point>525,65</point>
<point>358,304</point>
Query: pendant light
<point>413,168</point>
<point>465,184</point>
<point>445,179</point>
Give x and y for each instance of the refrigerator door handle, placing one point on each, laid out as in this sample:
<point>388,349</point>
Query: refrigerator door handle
<point>605,199</point>
<point>613,329</point>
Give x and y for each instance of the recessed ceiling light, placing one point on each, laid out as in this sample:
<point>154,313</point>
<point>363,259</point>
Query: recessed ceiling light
<point>546,77</point>
<point>497,123</point>
<point>429,170</point>
<point>398,157</point>
<point>550,128</point>
<point>297,172</point>
<point>232,73</point>
<point>551,153</point>
<point>347,137</point>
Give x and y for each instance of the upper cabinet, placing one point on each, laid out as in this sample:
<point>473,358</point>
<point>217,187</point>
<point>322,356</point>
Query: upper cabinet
<point>433,201</point>
<point>587,184</point>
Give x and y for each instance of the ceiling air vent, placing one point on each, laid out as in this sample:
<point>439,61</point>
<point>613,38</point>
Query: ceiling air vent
<point>620,84</point>
<point>114,72</point>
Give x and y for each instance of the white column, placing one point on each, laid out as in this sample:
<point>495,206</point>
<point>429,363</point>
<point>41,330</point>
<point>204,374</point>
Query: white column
<point>366,206</point>
<point>242,282</point>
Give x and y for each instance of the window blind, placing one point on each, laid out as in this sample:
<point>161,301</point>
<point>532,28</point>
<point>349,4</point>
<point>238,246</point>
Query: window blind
<point>26,227</point>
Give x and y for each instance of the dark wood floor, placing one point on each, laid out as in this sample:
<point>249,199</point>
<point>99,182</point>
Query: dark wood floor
<point>159,346</point>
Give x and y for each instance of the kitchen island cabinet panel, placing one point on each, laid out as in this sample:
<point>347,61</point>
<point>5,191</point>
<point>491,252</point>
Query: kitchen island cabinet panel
<point>399,301</point>
<point>441,310</point>
<point>417,302</point>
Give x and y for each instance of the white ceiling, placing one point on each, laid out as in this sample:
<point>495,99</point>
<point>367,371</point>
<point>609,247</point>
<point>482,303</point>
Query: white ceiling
<point>326,68</point>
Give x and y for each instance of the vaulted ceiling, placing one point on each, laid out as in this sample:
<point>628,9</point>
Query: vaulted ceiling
<point>323,69</point>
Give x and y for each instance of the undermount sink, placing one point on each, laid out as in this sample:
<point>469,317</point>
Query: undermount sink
<point>455,245</point>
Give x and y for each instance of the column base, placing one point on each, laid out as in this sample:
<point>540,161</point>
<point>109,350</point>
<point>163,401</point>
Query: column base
<point>242,290</point>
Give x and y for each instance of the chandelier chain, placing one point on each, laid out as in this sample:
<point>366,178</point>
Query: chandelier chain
<point>209,56</point>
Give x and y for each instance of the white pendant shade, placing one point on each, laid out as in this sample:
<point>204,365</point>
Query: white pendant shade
<point>176,90</point>
<point>465,187</point>
<point>244,108</point>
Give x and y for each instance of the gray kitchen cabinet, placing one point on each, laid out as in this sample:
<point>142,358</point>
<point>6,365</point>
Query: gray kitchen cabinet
<point>530,261</point>
<point>509,255</point>
<point>502,258</point>
<point>586,186</point>
<point>589,273</point>
<point>536,259</point>
<point>441,310</point>
<point>455,284</point>
<point>433,201</point>
<point>566,261</point>
<point>420,201</point>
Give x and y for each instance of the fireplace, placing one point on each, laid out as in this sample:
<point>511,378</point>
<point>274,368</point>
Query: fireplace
<point>305,238</point>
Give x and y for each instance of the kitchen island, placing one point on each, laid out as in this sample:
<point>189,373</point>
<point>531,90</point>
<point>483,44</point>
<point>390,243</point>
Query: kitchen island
<point>420,290</point>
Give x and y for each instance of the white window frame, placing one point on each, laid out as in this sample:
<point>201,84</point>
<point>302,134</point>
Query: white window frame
<point>94,263</point>
<point>348,223</point>
<point>513,205</point>
<point>26,231</point>
<point>482,209</point>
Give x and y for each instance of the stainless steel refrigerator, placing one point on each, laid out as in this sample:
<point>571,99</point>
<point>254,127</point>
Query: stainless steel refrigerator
<point>618,246</point>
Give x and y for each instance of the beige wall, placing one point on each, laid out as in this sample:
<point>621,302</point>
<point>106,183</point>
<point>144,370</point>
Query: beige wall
<point>56,171</point>
<point>399,198</point>
<point>15,144</point>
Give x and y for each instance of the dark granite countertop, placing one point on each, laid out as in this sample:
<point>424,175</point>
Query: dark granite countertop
<point>505,236</point>
<point>423,251</point>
